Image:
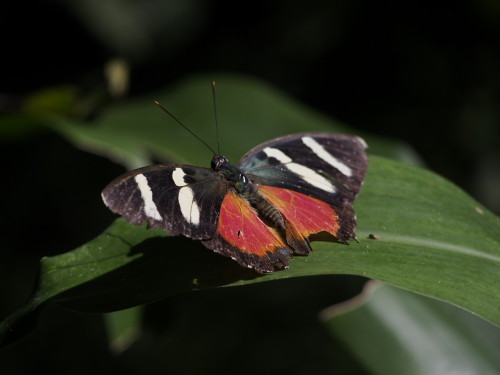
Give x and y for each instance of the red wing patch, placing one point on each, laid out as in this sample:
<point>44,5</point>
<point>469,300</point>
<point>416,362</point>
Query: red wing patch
<point>307,214</point>
<point>241,227</point>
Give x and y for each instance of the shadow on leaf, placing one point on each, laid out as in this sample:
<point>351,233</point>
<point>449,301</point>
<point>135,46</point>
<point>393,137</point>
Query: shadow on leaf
<point>166,266</point>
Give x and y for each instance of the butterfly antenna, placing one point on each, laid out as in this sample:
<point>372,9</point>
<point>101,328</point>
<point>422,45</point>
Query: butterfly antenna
<point>185,127</point>
<point>216,117</point>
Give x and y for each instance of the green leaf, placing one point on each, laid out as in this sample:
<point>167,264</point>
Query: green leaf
<point>123,327</point>
<point>433,238</point>
<point>392,331</point>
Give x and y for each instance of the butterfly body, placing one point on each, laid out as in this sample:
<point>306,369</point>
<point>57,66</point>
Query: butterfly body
<point>258,212</point>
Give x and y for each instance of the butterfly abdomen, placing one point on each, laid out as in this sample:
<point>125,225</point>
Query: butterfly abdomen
<point>275,219</point>
<point>268,213</point>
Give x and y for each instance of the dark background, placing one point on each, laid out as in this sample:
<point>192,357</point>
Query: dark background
<point>424,72</point>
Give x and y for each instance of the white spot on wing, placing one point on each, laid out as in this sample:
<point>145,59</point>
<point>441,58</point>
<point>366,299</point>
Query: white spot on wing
<point>178,177</point>
<point>310,176</point>
<point>277,154</point>
<point>307,174</point>
<point>324,155</point>
<point>150,209</point>
<point>104,199</point>
<point>363,142</point>
<point>189,207</point>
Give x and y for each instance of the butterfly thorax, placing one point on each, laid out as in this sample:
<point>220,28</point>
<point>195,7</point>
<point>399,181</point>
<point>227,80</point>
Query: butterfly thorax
<point>248,191</point>
<point>238,179</point>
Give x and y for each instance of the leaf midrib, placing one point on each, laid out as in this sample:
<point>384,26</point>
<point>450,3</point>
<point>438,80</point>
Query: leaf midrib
<point>440,245</point>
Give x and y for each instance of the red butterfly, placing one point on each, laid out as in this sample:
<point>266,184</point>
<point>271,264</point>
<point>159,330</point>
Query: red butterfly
<point>260,211</point>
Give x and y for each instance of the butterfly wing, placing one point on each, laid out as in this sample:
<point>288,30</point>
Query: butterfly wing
<point>181,199</point>
<point>322,171</point>
<point>198,203</point>
<point>243,236</point>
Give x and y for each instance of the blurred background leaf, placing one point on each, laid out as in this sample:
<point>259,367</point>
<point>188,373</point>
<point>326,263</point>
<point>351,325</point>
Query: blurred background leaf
<point>249,112</point>
<point>414,334</point>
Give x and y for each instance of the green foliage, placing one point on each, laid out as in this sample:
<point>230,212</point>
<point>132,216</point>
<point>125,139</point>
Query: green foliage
<point>432,238</point>
<point>416,231</point>
<point>416,335</point>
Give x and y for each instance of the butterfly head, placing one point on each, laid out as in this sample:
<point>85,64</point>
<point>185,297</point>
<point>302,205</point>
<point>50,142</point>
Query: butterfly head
<point>231,173</point>
<point>219,162</point>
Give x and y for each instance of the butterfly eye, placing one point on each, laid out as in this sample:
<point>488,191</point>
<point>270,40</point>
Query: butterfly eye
<point>243,179</point>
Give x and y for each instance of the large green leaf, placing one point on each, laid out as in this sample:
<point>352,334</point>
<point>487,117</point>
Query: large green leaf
<point>433,238</point>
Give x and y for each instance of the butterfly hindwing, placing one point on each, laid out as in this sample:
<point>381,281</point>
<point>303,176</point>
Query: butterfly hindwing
<point>306,214</point>
<point>181,199</point>
<point>243,236</point>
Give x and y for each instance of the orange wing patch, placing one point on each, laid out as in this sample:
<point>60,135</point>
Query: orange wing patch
<point>307,214</point>
<point>241,227</point>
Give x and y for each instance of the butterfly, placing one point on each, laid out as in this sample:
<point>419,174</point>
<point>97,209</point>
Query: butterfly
<point>260,211</point>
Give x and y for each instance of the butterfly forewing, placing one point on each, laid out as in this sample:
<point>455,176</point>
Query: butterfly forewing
<point>317,164</point>
<point>181,199</point>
